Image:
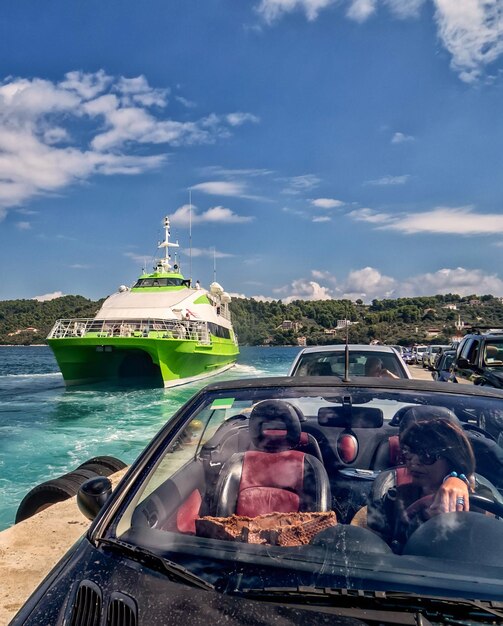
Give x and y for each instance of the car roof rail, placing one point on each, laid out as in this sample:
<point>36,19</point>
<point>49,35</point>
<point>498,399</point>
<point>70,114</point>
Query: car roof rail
<point>485,330</point>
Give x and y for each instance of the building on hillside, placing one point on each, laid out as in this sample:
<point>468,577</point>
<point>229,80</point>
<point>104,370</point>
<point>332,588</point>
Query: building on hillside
<point>450,307</point>
<point>30,329</point>
<point>289,325</point>
<point>341,324</point>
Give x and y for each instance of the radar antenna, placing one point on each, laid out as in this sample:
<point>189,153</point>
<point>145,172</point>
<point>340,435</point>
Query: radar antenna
<point>164,264</point>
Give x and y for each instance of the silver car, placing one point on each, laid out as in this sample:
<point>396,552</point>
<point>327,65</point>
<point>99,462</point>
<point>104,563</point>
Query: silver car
<point>364,360</point>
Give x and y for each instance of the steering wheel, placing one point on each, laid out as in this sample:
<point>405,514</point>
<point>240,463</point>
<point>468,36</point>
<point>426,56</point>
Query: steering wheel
<point>496,508</point>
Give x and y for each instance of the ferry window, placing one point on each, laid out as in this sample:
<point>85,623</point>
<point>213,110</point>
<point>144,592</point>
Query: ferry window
<point>159,282</point>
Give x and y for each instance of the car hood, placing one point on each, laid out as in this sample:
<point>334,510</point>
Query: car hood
<point>150,598</point>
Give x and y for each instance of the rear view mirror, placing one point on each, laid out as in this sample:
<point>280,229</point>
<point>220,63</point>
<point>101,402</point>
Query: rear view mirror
<point>350,417</point>
<point>462,363</point>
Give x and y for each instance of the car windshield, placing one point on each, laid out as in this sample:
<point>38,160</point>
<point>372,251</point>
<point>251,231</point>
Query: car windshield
<point>287,487</point>
<point>361,363</point>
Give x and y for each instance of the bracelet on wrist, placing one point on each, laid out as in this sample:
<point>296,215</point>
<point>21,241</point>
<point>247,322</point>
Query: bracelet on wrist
<point>460,476</point>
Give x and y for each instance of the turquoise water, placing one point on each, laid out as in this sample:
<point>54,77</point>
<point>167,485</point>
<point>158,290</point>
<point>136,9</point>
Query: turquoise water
<point>47,430</point>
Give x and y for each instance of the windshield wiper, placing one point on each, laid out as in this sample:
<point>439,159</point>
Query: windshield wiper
<point>175,572</point>
<point>381,606</point>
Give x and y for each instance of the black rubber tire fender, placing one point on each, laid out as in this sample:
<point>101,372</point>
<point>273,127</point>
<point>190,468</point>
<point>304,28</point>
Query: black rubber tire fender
<point>107,462</point>
<point>51,491</point>
<point>97,468</point>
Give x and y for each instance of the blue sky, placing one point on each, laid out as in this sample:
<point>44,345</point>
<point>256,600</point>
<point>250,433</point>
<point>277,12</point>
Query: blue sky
<point>333,148</point>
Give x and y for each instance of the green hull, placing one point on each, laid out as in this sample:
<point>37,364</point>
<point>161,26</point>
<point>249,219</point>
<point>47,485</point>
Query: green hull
<point>166,362</point>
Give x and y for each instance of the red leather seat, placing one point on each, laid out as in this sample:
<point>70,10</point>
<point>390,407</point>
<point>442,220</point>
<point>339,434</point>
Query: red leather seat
<point>274,477</point>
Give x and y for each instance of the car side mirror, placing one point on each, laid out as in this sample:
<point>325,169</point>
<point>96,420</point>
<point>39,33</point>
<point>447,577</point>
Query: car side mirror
<point>462,363</point>
<point>92,495</point>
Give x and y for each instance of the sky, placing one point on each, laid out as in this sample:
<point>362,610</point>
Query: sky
<point>303,149</point>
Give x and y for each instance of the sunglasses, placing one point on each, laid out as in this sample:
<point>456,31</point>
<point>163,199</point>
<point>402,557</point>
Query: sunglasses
<point>425,457</point>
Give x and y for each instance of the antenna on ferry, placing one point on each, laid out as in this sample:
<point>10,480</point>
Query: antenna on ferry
<point>214,264</point>
<point>164,263</point>
<point>190,236</point>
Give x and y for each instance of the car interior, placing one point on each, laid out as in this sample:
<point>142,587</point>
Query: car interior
<point>330,461</point>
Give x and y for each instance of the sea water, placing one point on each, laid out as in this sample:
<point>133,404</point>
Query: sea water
<point>47,430</point>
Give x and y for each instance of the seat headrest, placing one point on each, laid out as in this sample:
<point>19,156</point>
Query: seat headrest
<point>269,416</point>
<point>425,412</point>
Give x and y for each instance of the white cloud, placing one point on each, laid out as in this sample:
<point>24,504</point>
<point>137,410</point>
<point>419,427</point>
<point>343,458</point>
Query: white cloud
<point>38,154</point>
<point>471,30</point>
<point>323,218</point>
<point>138,91</point>
<point>371,216</point>
<point>443,220</point>
<point>87,86</point>
<point>361,10</point>
<point>218,214</point>
<point>369,283</point>
<point>262,298</point>
<point>327,203</point>
<point>303,289</point>
<point>299,184</point>
<point>210,253</point>
<point>216,170</point>
<point>55,135</point>
<point>323,275</point>
<point>49,296</point>
<point>221,188</point>
<point>23,225</point>
<point>401,138</point>
<point>186,103</point>
<point>458,280</point>
<point>405,8</point>
<point>237,119</point>
<point>390,180</point>
<point>440,220</point>
<point>272,10</point>
<point>142,260</point>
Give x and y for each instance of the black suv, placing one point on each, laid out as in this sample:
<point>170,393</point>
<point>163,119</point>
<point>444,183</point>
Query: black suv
<point>479,359</point>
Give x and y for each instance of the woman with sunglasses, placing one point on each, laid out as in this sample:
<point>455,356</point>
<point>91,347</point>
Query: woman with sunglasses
<point>439,476</point>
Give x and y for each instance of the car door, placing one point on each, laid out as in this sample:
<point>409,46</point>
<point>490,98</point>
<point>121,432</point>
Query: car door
<point>465,368</point>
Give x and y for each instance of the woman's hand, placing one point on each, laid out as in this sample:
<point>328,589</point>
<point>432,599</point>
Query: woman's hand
<point>448,497</point>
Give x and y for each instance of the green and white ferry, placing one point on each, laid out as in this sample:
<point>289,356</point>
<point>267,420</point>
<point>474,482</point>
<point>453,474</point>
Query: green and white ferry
<point>162,328</point>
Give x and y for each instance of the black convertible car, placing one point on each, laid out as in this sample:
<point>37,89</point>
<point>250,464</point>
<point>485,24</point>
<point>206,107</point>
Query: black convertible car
<point>249,507</point>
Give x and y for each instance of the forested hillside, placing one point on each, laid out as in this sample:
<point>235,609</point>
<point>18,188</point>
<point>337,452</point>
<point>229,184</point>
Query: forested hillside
<point>29,321</point>
<point>403,320</point>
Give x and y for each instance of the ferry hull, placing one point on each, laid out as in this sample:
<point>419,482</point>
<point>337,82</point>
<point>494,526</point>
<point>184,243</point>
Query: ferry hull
<point>162,362</point>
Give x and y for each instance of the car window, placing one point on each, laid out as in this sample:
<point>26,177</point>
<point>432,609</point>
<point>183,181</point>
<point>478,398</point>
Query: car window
<point>473,352</point>
<point>493,353</point>
<point>360,362</point>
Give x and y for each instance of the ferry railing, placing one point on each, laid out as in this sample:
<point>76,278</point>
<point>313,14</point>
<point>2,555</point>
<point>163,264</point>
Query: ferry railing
<point>150,328</point>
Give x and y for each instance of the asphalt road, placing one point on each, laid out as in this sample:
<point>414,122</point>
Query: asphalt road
<point>418,372</point>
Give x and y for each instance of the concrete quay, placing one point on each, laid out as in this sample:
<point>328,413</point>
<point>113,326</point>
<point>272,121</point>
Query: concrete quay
<point>30,549</point>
